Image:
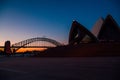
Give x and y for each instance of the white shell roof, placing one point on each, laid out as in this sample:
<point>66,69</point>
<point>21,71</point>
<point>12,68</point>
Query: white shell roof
<point>96,28</point>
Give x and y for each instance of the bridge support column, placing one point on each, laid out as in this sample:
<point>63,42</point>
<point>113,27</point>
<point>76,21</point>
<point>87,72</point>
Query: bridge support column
<point>7,48</point>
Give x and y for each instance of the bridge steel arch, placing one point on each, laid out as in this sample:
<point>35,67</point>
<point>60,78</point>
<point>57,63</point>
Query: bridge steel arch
<point>28,41</point>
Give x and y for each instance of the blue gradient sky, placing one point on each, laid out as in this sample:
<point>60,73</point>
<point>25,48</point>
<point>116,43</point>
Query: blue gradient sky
<point>24,19</point>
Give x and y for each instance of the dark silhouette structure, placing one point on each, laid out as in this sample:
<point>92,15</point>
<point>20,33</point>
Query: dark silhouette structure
<point>79,34</point>
<point>7,48</point>
<point>103,31</point>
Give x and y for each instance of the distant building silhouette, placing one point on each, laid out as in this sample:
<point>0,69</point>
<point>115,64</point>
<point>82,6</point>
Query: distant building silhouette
<point>7,49</point>
<point>103,30</point>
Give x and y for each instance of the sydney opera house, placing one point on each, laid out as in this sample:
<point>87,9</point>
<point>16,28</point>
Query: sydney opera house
<point>102,40</point>
<point>105,30</point>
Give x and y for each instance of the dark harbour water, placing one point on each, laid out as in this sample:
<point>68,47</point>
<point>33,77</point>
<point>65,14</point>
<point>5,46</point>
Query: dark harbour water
<point>64,68</point>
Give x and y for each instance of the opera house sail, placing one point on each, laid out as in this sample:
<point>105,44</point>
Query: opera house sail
<point>79,34</point>
<point>96,28</point>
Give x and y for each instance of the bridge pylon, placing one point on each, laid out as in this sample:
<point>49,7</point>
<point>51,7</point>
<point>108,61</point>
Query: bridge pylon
<point>7,48</point>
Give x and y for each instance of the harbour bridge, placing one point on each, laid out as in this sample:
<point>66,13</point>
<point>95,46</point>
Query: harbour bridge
<point>38,42</point>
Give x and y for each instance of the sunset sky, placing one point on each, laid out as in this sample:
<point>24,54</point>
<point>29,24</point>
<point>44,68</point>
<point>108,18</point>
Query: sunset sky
<point>24,19</point>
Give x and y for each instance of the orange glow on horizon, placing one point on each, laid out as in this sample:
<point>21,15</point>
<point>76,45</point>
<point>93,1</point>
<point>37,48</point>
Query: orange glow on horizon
<point>31,49</point>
